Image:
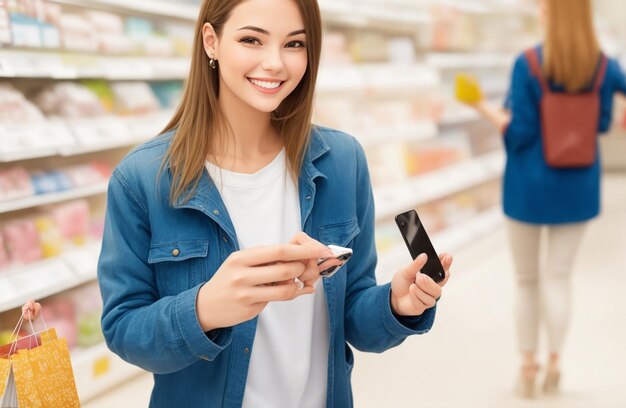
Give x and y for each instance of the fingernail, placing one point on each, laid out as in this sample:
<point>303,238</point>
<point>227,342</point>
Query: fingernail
<point>422,257</point>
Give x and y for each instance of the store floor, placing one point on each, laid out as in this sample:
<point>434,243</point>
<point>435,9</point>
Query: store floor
<point>469,358</point>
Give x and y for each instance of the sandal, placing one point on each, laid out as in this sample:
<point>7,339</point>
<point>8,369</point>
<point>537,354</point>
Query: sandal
<point>551,382</point>
<point>526,381</point>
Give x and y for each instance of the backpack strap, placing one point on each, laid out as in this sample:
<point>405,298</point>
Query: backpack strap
<point>601,73</point>
<point>532,56</point>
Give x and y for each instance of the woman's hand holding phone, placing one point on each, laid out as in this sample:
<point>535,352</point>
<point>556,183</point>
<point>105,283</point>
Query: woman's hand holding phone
<point>251,278</point>
<point>413,292</point>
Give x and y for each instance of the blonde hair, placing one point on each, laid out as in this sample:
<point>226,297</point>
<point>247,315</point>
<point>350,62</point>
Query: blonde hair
<point>571,49</point>
<point>198,122</point>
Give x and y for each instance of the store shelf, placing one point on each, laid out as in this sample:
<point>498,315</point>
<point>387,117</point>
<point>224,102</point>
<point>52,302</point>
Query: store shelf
<point>401,17</point>
<point>144,7</point>
<point>44,199</point>
<point>97,370</point>
<point>406,132</point>
<point>79,136</point>
<point>469,60</point>
<point>377,78</point>
<point>48,277</point>
<point>447,241</point>
<point>393,199</point>
<point>72,65</point>
<point>459,117</point>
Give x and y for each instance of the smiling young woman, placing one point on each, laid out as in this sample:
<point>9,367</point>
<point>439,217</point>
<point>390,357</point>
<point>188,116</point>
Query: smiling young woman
<point>209,264</point>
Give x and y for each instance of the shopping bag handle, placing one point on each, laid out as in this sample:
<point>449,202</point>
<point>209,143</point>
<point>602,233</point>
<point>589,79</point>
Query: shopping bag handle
<point>19,325</point>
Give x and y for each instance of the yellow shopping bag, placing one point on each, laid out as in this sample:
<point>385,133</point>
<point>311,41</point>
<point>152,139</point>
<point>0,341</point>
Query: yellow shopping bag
<point>38,377</point>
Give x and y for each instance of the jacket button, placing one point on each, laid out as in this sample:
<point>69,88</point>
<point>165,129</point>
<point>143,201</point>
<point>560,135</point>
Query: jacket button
<point>205,358</point>
<point>176,252</point>
<point>216,212</point>
<point>246,350</point>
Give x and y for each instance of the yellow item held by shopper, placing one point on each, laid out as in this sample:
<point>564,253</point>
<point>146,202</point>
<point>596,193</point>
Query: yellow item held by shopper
<point>467,89</point>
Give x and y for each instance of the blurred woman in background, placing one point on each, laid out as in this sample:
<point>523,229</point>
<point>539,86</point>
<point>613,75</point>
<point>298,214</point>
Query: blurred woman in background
<point>538,196</point>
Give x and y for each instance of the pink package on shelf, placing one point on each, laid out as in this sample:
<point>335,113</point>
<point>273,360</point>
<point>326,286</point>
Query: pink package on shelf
<point>82,175</point>
<point>61,314</point>
<point>73,220</point>
<point>22,241</point>
<point>15,183</point>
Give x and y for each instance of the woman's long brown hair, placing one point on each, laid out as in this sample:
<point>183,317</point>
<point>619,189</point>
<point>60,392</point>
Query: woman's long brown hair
<point>571,49</point>
<point>198,123</point>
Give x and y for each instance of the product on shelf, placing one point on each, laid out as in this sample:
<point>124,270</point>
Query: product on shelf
<point>15,183</point>
<point>59,312</point>
<point>69,100</point>
<point>110,32</point>
<point>21,240</point>
<point>72,219</point>
<point>50,237</point>
<point>335,48</point>
<point>15,108</point>
<point>103,91</point>
<point>5,24</point>
<point>77,33</point>
<point>50,182</point>
<point>88,305</point>
<point>168,93</point>
<point>134,98</point>
<point>87,174</point>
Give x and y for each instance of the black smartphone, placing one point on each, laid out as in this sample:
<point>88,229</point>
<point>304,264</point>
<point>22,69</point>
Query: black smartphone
<point>418,242</point>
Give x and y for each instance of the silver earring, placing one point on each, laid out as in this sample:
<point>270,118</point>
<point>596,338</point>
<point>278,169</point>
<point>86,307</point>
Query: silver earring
<point>212,61</point>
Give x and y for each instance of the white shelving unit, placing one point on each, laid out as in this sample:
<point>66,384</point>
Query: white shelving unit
<point>74,65</point>
<point>159,8</point>
<point>48,277</point>
<point>78,136</point>
<point>44,199</point>
<point>95,369</point>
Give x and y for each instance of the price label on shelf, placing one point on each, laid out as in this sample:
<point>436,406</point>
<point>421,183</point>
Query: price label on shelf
<point>101,366</point>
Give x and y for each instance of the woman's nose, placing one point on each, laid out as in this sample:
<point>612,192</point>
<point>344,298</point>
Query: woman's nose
<point>272,61</point>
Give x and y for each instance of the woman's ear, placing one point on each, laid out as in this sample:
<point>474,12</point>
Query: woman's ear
<point>210,40</point>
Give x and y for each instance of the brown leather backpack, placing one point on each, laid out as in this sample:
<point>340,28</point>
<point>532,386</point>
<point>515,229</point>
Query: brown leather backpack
<point>569,121</point>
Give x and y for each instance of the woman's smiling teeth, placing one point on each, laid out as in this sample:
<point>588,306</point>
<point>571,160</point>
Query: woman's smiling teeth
<point>265,84</point>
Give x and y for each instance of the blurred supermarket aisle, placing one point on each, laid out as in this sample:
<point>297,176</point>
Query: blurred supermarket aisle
<point>469,359</point>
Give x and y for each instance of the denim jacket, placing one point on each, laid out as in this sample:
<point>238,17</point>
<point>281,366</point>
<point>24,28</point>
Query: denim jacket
<point>155,257</point>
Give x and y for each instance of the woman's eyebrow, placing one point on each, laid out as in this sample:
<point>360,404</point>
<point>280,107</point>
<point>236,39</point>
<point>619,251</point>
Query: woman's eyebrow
<point>262,31</point>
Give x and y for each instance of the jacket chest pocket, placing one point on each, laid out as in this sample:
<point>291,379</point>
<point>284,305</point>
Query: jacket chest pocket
<point>180,265</point>
<point>340,234</point>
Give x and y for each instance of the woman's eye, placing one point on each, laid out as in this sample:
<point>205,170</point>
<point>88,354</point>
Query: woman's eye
<point>250,41</point>
<point>296,44</point>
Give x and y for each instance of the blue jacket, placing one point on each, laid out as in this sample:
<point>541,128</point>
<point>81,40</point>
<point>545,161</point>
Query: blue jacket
<point>533,192</point>
<point>149,293</point>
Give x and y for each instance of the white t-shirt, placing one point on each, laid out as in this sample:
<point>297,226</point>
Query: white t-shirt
<point>289,360</point>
